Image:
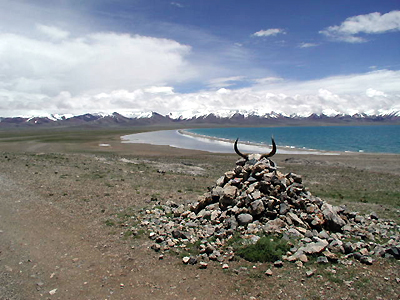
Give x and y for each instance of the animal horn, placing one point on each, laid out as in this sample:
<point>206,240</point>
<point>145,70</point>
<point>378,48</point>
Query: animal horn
<point>245,156</point>
<point>273,151</point>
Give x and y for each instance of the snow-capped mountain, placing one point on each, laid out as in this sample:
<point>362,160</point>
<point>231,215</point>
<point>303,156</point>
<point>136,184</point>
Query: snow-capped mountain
<point>188,118</point>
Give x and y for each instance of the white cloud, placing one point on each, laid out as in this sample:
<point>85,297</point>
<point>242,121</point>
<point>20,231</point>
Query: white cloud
<point>224,81</point>
<point>177,4</point>
<point>307,45</point>
<point>372,92</point>
<point>267,80</point>
<point>269,32</point>
<point>53,32</point>
<point>373,23</point>
<point>223,91</point>
<point>93,62</point>
<point>160,90</point>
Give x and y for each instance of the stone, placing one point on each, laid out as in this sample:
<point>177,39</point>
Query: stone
<point>275,225</point>
<point>359,219</point>
<point>303,258</point>
<point>310,273</point>
<point>229,191</point>
<point>295,219</point>
<point>229,175</point>
<point>178,234</point>
<point>323,235</point>
<point>257,207</point>
<point>395,251</point>
<point>217,192</point>
<point>202,202</point>
<point>316,247</point>
<point>268,272</point>
<point>336,246</point>
<point>317,222</point>
<point>203,265</point>
<point>203,214</point>
<point>379,251</point>
<point>256,195</point>
<point>251,179</point>
<point>348,248</point>
<point>322,260</point>
<point>278,264</point>
<point>232,223</point>
<point>366,260</point>
<point>186,259</point>
<point>156,247</point>
<point>214,215</point>
<point>220,181</point>
<point>298,256</point>
<point>283,208</point>
<point>192,260</point>
<point>229,197</point>
<point>330,256</point>
<point>244,219</point>
<point>214,255</point>
<point>334,221</point>
<point>374,216</point>
<point>52,292</point>
<point>293,233</point>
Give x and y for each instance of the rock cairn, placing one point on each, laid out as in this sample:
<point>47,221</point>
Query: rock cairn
<point>256,199</point>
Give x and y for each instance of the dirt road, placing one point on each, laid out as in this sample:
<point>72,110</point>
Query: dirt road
<point>49,252</point>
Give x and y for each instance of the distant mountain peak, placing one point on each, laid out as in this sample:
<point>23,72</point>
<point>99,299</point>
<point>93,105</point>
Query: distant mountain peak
<point>188,118</point>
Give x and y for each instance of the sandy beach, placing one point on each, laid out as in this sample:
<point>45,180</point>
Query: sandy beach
<point>185,139</point>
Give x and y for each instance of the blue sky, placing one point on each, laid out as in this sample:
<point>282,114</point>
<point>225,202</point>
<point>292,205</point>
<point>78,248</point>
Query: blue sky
<point>196,56</point>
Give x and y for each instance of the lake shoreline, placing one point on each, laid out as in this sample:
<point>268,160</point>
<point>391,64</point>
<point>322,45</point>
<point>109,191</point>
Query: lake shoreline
<point>183,139</point>
<point>348,139</point>
<point>259,146</point>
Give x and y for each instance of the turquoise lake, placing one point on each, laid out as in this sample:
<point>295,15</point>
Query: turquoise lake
<point>373,139</point>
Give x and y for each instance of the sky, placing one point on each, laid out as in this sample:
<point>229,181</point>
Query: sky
<point>190,57</point>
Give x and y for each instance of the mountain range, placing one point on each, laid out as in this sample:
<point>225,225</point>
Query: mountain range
<point>225,118</point>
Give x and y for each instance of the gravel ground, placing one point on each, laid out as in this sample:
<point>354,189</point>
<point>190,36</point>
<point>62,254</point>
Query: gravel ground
<point>60,237</point>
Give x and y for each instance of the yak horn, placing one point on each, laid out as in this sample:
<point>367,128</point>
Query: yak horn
<point>245,156</point>
<point>273,151</point>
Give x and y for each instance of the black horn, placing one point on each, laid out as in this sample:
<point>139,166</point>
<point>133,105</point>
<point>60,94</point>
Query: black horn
<point>273,151</point>
<point>245,156</point>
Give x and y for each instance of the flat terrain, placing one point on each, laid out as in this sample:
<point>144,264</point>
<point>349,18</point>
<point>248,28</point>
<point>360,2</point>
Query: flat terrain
<point>66,204</point>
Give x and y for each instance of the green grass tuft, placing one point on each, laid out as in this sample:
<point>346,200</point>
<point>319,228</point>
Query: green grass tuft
<point>267,249</point>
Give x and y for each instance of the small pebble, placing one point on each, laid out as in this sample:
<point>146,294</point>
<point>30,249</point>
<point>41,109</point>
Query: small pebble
<point>52,292</point>
<point>268,272</point>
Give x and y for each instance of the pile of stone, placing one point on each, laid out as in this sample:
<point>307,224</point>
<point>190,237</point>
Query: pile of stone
<point>256,199</point>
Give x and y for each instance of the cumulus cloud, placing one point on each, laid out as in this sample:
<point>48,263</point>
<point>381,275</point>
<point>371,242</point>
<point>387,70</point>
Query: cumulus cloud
<point>105,61</point>
<point>269,32</point>
<point>374,92</point>
<point>373,23</point>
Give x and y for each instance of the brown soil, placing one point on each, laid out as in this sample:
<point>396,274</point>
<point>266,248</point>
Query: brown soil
<point>64,214</point>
